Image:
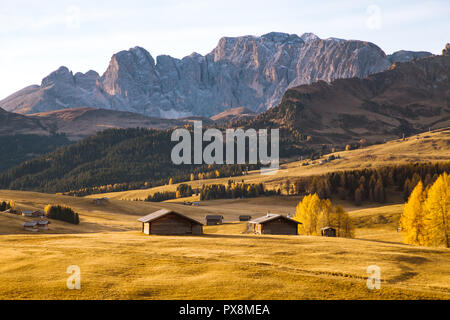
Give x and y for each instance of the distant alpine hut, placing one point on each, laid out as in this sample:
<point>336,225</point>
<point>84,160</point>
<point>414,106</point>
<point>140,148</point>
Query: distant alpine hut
<point>27,213</point>
<point>31,226</point>
<point>38,213</point>
<point>213,219</point>
<point>99,201</point>
<point>43,224</point>
<point>245,218</point>
<point>168,222</point>
<point>35,214</point>
<point>274,224</point>
<point>328,232</point>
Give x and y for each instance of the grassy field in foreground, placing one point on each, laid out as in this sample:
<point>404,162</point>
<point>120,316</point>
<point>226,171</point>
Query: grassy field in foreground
<point>119,262</point>
<point>130,265</point>
<point>426,147</point>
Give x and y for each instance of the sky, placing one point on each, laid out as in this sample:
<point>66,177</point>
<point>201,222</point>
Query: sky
<point>37,37</point>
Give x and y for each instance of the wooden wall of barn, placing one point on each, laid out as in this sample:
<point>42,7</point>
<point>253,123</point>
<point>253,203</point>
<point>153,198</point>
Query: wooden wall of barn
<point>172,224</point>
<point>280,226</point>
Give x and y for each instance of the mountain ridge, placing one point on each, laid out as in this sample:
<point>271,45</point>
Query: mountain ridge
<point>77,123</point>
<point>248,71</point>
<point>408,98</point>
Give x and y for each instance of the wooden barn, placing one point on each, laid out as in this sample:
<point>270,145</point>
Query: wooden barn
<point>328,232</point>
<point>168,222</point>
<point>245,218</point>
<point>43,224</point>
<point>274,224</point>
<point>213,219</point>
<point>99,201</point>
<point>27,213</point>
<point>31,226</point>
<point>35,214</point>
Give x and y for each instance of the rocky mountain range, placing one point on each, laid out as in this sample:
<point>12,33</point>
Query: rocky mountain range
<point>249,71</point>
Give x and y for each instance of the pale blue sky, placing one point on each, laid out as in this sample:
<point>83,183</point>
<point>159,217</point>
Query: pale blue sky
<point>36,37</point>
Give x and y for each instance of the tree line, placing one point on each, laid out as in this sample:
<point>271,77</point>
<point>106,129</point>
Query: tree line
<point>315,213</point>
<point>62,213</point>
<point>367,184</point>
<point>234,190</point>
<point>183,190</point>
<point>111,160</point>
<point>5,205</point>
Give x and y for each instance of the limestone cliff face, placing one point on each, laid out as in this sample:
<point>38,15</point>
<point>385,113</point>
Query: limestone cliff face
<point>251,72</point>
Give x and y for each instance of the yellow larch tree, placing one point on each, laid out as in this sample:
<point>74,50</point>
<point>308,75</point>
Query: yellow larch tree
<point>307,213</point>
<point>437,207</point>
<point>412,220</point>
<point>315,214</point>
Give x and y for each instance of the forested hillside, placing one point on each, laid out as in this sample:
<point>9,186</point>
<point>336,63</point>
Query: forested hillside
<point>129,157</point>
<point>16,149</point>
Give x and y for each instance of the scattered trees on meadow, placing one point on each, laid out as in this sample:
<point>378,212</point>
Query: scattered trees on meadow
<point>184,190</point>
<point>161,196</point>
<point>6,205</point>
<point>234,190</point>
<point>315,213</point>
<point>61,213</point>
<point>425,219</point>
<point>369,184</point>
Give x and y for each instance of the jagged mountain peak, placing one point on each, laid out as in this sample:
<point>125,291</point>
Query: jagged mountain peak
<point>62,74</point>
<point>281,37</point>
<point>309,36</point>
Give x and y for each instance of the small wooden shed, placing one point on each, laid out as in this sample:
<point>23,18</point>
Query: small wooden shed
<point>99,201</point>
<point>169,222</point>
<point>274,224</point>
<point>245,218</point>
<point>43,224</point>
<point>213,219</point>
<point>27,213</point>
<point>31,226</point>
<point>328,232</point>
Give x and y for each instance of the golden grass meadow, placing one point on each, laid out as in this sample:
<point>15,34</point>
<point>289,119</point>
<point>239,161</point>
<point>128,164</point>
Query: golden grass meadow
<point>118,261</point>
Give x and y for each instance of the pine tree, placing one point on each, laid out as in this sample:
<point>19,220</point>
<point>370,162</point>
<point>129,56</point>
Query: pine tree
<point>358,196</point>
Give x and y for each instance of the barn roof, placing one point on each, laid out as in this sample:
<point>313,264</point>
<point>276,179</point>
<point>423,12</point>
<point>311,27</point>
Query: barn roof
<point>214,216</point>
<point>160,213</point>
<point>30,223</point>
<point>270,217</point>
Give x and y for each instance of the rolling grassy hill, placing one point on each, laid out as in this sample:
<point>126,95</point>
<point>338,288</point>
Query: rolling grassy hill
<point>118,262</point>
<point>431,146</point>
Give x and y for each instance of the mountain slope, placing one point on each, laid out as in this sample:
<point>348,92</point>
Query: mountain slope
<point>78,123</point>
<point>251,72</point>
<point>13,123</point>
<point>410,97</point>
<point>234,114</point>
<point>111,156</point>
<point>133,156</point>
<point>24,137</point>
